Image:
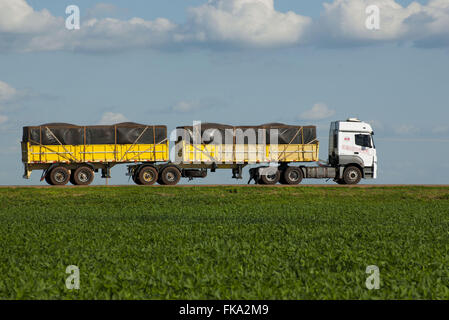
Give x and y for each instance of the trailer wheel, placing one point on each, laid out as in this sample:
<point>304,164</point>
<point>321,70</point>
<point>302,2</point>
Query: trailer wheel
<point>352,175</point>
<point>292,176</point>
<point>271,179</point>
<point>59,176</point>
<point>136,179</point>
<point>170,176</point>
<point>47,179</point>
<point>83,176</point>
<point>147,176</point>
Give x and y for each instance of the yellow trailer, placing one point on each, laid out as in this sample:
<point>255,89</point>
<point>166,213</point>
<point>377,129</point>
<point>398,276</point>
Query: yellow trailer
<point>217,146</point>
<point>248,154</point>
<point>102,153</point>
<point>74,153</point>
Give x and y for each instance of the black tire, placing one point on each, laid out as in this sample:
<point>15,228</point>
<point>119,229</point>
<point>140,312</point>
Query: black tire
<point>136,180</point>
<point>59,176</point>
<point>47,179</point>
<point>292,176</point>
<point>352,175</point>
<point>170,176</point>
<point>83,176</point>
<point>271,179</point>
<point>147,176</point>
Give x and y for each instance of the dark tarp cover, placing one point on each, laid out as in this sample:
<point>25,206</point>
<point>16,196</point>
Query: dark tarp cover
<point>286,134</point>
<point>148,135</point>
<point>213,131</point>
<point>68,134</point>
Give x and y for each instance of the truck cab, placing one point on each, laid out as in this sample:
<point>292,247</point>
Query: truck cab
<point>351,145</point>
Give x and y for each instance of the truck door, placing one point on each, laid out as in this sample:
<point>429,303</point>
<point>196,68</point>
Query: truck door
<point>357,144</point>
<point>366,149</point>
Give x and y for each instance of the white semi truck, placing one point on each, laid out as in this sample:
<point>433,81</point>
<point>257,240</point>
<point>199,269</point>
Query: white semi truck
<point>352,151</point>
<point>352,157</point>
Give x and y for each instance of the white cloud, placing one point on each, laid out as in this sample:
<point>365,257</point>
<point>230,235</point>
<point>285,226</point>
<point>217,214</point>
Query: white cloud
<point>440,129</point>
<point>246,23</point>
<point>109,118</point>
<point>406,129</point>
<point>102,9</point>
<point>204,104</point>
<point>11,97</point>
<point>3,119</point>
<point>226,23</point>
<point>431,24</point>
<point>318,112</point>
<point>187,106</point>
<point>17,16</point>
<point>7,93</point>
<point>410,132</point>
<point>107,34</point>
<point>23,29</point>
<point>376,125</point>
<point>343,23</point>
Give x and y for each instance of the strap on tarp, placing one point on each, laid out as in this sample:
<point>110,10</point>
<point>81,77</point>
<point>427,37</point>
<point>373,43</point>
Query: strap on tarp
<point>71,153</point>
<point>285,146</point>
<point>140,136</point>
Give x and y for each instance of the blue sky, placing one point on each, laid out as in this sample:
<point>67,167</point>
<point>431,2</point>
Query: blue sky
<point>195,64</point>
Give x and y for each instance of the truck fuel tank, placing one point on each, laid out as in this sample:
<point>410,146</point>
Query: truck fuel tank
<point>194,173</point>
<point>320,172</point>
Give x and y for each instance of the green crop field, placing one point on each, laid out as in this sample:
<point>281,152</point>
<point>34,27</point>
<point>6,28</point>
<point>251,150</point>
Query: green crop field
<point>224,242</point>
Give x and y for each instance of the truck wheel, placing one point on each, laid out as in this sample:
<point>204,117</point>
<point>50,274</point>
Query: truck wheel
<point>136,179</point>
<point>170,176</point>
<point>271,179</point>
<point>59,176</point>
<point>147,176</point>
<point>83,176</point>
<point>352,175</point>
<point>292,176</point>
<point>260,181</point>
<point>47,179</point>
